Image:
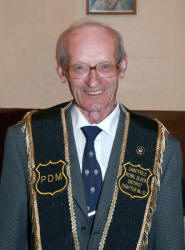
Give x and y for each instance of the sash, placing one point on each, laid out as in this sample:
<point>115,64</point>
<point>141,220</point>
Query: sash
<point>134,197</point>
<point>53,220</point>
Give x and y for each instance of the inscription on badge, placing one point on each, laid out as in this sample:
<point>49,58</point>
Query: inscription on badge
<point>135,180</point>
<point>51,178</point>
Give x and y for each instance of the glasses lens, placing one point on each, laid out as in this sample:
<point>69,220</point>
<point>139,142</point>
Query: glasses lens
<point>78,70</point>
<point>106,69</point>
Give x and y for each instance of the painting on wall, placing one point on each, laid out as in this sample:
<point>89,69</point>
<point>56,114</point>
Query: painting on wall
<point>111,7</point>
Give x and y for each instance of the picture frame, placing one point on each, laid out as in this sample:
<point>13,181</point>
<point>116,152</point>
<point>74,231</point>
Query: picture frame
<point>114,7</point>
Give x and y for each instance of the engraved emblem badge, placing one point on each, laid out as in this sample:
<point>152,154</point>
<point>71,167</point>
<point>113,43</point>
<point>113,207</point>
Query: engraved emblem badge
<point>140,150</point>
<point>51,178</point>
<point>134,181</point>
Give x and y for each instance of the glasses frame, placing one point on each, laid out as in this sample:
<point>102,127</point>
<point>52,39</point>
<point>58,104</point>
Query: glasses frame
<point>67,67</point>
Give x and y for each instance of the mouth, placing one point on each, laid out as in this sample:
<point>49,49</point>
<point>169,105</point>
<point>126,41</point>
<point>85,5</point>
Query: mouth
<point>94,92</point>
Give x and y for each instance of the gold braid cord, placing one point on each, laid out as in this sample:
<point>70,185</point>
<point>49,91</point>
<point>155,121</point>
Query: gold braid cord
<point>31,182</point>
<point>70,196</point>
<point>155,185</point>
<point>115,194</point>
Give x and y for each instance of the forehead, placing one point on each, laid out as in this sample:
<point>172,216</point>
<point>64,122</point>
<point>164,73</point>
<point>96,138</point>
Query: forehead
<point>91,28</point>
<point>91,41</point>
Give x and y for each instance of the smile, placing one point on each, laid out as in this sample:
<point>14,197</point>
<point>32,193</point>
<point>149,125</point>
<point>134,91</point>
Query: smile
<point>94,92</point>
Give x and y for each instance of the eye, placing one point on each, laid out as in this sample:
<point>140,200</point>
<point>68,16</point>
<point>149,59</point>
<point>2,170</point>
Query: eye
<point>104,66</point>
<point>79,68</point>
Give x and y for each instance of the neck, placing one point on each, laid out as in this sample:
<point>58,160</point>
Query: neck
<point>97,116</point>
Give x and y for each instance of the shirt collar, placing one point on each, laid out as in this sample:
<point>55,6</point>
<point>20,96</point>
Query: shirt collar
<point>108,125</point>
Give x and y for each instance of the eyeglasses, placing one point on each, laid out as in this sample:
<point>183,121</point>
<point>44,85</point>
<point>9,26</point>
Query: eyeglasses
<point>80,71</point>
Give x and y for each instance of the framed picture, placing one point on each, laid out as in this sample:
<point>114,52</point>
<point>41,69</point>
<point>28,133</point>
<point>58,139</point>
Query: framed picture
<point>111,7</point>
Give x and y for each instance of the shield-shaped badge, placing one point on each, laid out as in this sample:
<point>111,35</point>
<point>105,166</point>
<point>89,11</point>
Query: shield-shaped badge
<point>135,180</point>
<point>51,178</point>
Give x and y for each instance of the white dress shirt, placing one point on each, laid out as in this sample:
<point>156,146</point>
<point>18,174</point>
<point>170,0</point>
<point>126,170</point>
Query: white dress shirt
<point>103,142</point>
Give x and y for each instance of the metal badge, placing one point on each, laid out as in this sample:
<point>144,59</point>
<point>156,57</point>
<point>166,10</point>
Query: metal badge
<point>140,150</point>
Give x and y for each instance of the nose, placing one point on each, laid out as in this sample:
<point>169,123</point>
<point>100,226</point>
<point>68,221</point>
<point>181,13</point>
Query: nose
<point>93,79</point>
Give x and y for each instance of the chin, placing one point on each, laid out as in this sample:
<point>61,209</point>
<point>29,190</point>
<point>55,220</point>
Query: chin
<point>95,107</point>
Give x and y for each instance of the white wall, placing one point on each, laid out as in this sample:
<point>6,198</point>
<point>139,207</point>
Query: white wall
<point>154,40</point>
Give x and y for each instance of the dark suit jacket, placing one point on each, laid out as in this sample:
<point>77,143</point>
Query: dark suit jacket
<point>167,227</point>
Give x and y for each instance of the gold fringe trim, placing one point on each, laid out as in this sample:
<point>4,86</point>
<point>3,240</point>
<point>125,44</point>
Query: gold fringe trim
<point>159,161</point>
<point>115,194</point>
<point>70,196</point>
<point>155,185</point>
<point>31,181</point>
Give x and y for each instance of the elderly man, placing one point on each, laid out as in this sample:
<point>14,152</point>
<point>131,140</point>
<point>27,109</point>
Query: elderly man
<point>90,174</point>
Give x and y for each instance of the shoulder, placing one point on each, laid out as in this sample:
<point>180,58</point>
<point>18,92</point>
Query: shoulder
<point>172,151</point>
<point>16,133</point>
<point>172,155</point>
<point>172,144</point>
<point>138,120</point>
<point>15,143</point>
<point>49,112</point>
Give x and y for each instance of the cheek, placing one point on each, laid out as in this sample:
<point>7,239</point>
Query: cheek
<point>75,87</point>
<point>113,87</point>
<point>112,92</point>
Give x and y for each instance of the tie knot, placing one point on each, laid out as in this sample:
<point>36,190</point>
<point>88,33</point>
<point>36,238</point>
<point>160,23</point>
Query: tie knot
<point>91,132</point>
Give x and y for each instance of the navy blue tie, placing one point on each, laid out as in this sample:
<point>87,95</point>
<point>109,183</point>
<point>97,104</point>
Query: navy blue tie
<point>91,172</point>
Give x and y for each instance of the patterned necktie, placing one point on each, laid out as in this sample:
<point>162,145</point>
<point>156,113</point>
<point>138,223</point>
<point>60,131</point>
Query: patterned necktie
<point>91,172</point>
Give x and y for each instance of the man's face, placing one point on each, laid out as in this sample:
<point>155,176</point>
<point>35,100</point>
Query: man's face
<point>92,45</point>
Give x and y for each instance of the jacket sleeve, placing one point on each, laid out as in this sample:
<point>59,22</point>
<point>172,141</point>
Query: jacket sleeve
<point>167,232</point>
<point>13,193</point>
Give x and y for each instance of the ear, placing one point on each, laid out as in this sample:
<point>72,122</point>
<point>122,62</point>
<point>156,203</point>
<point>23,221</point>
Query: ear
<point>61,74</point>
<point>123,67</point>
